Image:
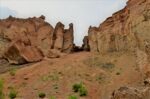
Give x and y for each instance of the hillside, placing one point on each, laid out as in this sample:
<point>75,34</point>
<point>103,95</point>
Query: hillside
<point>55,77</point>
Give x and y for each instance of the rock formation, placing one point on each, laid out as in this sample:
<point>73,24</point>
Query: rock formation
<point>68,39</point>
<point>127,29</point>
<point>31,39</point>
<point>132,93</point>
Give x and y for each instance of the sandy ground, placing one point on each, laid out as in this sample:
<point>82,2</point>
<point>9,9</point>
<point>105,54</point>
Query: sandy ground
<point>55,77</point>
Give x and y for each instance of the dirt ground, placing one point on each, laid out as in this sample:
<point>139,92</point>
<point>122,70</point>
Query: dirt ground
<point>100,74</point>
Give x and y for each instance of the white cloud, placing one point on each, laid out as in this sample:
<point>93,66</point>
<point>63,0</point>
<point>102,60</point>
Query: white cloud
<point>82,13</point>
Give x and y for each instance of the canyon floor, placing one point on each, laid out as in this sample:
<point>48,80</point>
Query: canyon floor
<point>100,74</point>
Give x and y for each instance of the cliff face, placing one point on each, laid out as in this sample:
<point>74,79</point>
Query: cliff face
<point>127,29</point>
<point>29,40</point>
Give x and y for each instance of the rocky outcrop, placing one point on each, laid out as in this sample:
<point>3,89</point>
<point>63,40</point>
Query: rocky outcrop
<point>63,38</point>
<point>31,39</point>
<point>19,53</point>
<point>68,39</point>
<point>58,36</point>
<point>132,93</point>
<point>126,30</point>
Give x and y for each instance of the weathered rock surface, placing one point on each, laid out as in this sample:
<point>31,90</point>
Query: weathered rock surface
<point>127,29</point>
<point>19,53</point>
<point>132,93</point>
<point>68,39</point>
<point>31,39</point>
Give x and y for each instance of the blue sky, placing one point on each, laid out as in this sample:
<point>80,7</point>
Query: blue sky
<point>82,13</point>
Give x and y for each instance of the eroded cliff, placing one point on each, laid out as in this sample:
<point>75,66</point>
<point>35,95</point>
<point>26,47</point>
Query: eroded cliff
<point>126,30</point>
<point>31,39</point>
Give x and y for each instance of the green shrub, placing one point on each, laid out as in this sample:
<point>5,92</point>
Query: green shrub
<point>76,87</point>
<point>42,95</point>
<point>12,94</point>
<point>72,97</point>
<point>1,89</point>
<point>80,88</point>
<point>83,91</point>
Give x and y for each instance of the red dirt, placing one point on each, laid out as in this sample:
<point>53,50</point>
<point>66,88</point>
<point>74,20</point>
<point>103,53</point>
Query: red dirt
<point>55,77</point>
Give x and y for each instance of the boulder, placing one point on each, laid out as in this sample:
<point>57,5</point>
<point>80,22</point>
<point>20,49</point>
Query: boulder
<point>131,93</point>
<point>19,53</point>
<point>53,53</point>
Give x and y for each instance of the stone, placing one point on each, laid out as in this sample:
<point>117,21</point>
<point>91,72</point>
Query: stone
<point>131,93</point>
<point>53,53</point>
<point>19,53</point>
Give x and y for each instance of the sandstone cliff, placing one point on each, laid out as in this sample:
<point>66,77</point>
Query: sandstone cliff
<point>31,39</point>
<point>126,30</point>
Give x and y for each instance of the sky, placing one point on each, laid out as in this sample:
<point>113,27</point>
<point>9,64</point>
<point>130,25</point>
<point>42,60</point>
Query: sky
<point>82,13</point>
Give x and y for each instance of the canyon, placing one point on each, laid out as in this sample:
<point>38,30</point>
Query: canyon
<point>114,60</point>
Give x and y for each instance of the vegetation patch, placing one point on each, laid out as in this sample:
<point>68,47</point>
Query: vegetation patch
<point>52,97</point>
<point>72,97</point>
<point>80,88</point>
<point>1,89</point>
<point>13,93</point>
<point>42,95</point>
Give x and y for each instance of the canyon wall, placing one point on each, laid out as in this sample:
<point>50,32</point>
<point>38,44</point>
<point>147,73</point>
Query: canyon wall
<point>31,39</point>
<point>126,30</point>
